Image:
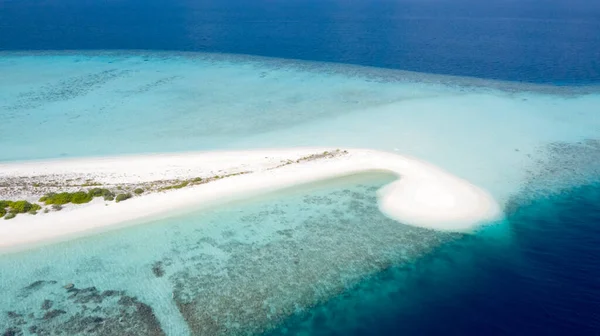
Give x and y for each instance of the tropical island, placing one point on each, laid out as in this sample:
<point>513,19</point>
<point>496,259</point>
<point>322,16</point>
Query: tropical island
<point>56,199</point>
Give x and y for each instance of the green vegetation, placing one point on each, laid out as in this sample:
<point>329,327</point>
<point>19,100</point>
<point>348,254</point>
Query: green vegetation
<point>102,192</point>
<point>91,183</point>
<point>81,197</point>
<point>10,209</point>
<point>53,198</point>
<point>5,204</point>
<point>78,197</point>
<point>23,207</point>
<point>176,186</point>
<point>122,197</point>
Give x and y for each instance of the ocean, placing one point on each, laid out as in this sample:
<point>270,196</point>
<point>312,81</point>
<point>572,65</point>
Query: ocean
<point>502,93</point>
<point>548,41</point>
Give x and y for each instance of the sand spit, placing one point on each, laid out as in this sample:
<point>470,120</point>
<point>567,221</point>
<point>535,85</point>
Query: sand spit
<point>424,195</point>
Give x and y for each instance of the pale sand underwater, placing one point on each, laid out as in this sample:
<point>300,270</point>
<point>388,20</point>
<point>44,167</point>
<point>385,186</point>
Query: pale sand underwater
<point>61,104</point>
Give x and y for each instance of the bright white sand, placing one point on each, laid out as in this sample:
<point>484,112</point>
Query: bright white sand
<point>424,196</point>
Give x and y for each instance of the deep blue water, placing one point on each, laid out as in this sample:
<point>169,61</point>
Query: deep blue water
<point>545,282</point>
<point>549,41</point>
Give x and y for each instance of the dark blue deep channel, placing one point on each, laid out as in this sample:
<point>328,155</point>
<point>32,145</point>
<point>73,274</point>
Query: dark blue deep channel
<point>544,280</point>
<point>549,41</point>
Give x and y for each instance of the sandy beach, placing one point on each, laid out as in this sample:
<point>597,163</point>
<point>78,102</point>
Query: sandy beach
<point>424,195</point>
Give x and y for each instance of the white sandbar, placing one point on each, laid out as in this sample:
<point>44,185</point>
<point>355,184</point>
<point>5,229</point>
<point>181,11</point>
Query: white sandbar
<point>424,195</point>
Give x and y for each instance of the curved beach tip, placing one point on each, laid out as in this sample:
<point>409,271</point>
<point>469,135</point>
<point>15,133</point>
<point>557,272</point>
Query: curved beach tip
<point>424,195</point>
<point>443,203</point>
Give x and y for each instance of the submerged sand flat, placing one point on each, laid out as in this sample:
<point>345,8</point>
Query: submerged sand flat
<point>234,270</point>
<point>243,269</point>
<point>71,104</point>
<point>423,196</point>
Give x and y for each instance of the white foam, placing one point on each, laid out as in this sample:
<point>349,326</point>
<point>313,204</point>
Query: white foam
<point>424,196</point>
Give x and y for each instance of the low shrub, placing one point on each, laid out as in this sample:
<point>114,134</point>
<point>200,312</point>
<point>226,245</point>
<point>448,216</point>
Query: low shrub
<point>122,197</point>
<point>56,207</point>
<point>97,192</point>
<point>5,204</point>
<point>81,197</point>
<point>23,207</point>
<point>181,185</point>
<point>102,192</point>
<point>78,197</point>
<point>176,186</point>
<point>53,198</point>
<point>139,191</point>
<point>10,215</point>
<point>2,212</point>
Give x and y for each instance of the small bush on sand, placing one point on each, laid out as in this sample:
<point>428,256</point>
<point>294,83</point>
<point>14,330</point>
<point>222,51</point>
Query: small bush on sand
<point>176,186</point>
<point>101,192</point>
<point>78,197</point>
<point>60,198</point>
<point>56,207</point>
<point>81,197</point>
<point>139,191</point>
<point>2,212</point>
<point>122,197</point>
<point>96,192</point>
<point>5,204</point>
<point>23,207</point>
<point>10,215</point>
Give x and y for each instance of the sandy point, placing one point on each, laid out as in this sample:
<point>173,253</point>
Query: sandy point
<point>423,195</point>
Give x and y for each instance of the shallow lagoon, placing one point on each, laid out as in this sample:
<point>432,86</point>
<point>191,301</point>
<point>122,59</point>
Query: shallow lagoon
<point>284,254</point>
<point>234,270</point>
<point>106,103</point>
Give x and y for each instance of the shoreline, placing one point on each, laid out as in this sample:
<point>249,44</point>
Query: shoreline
<point>424,195</point>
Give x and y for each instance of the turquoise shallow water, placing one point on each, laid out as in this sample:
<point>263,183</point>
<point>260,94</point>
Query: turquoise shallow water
<point>110,103</point>
<point>533,147</point>
<point>236,270</point>
<point>316,260</point>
